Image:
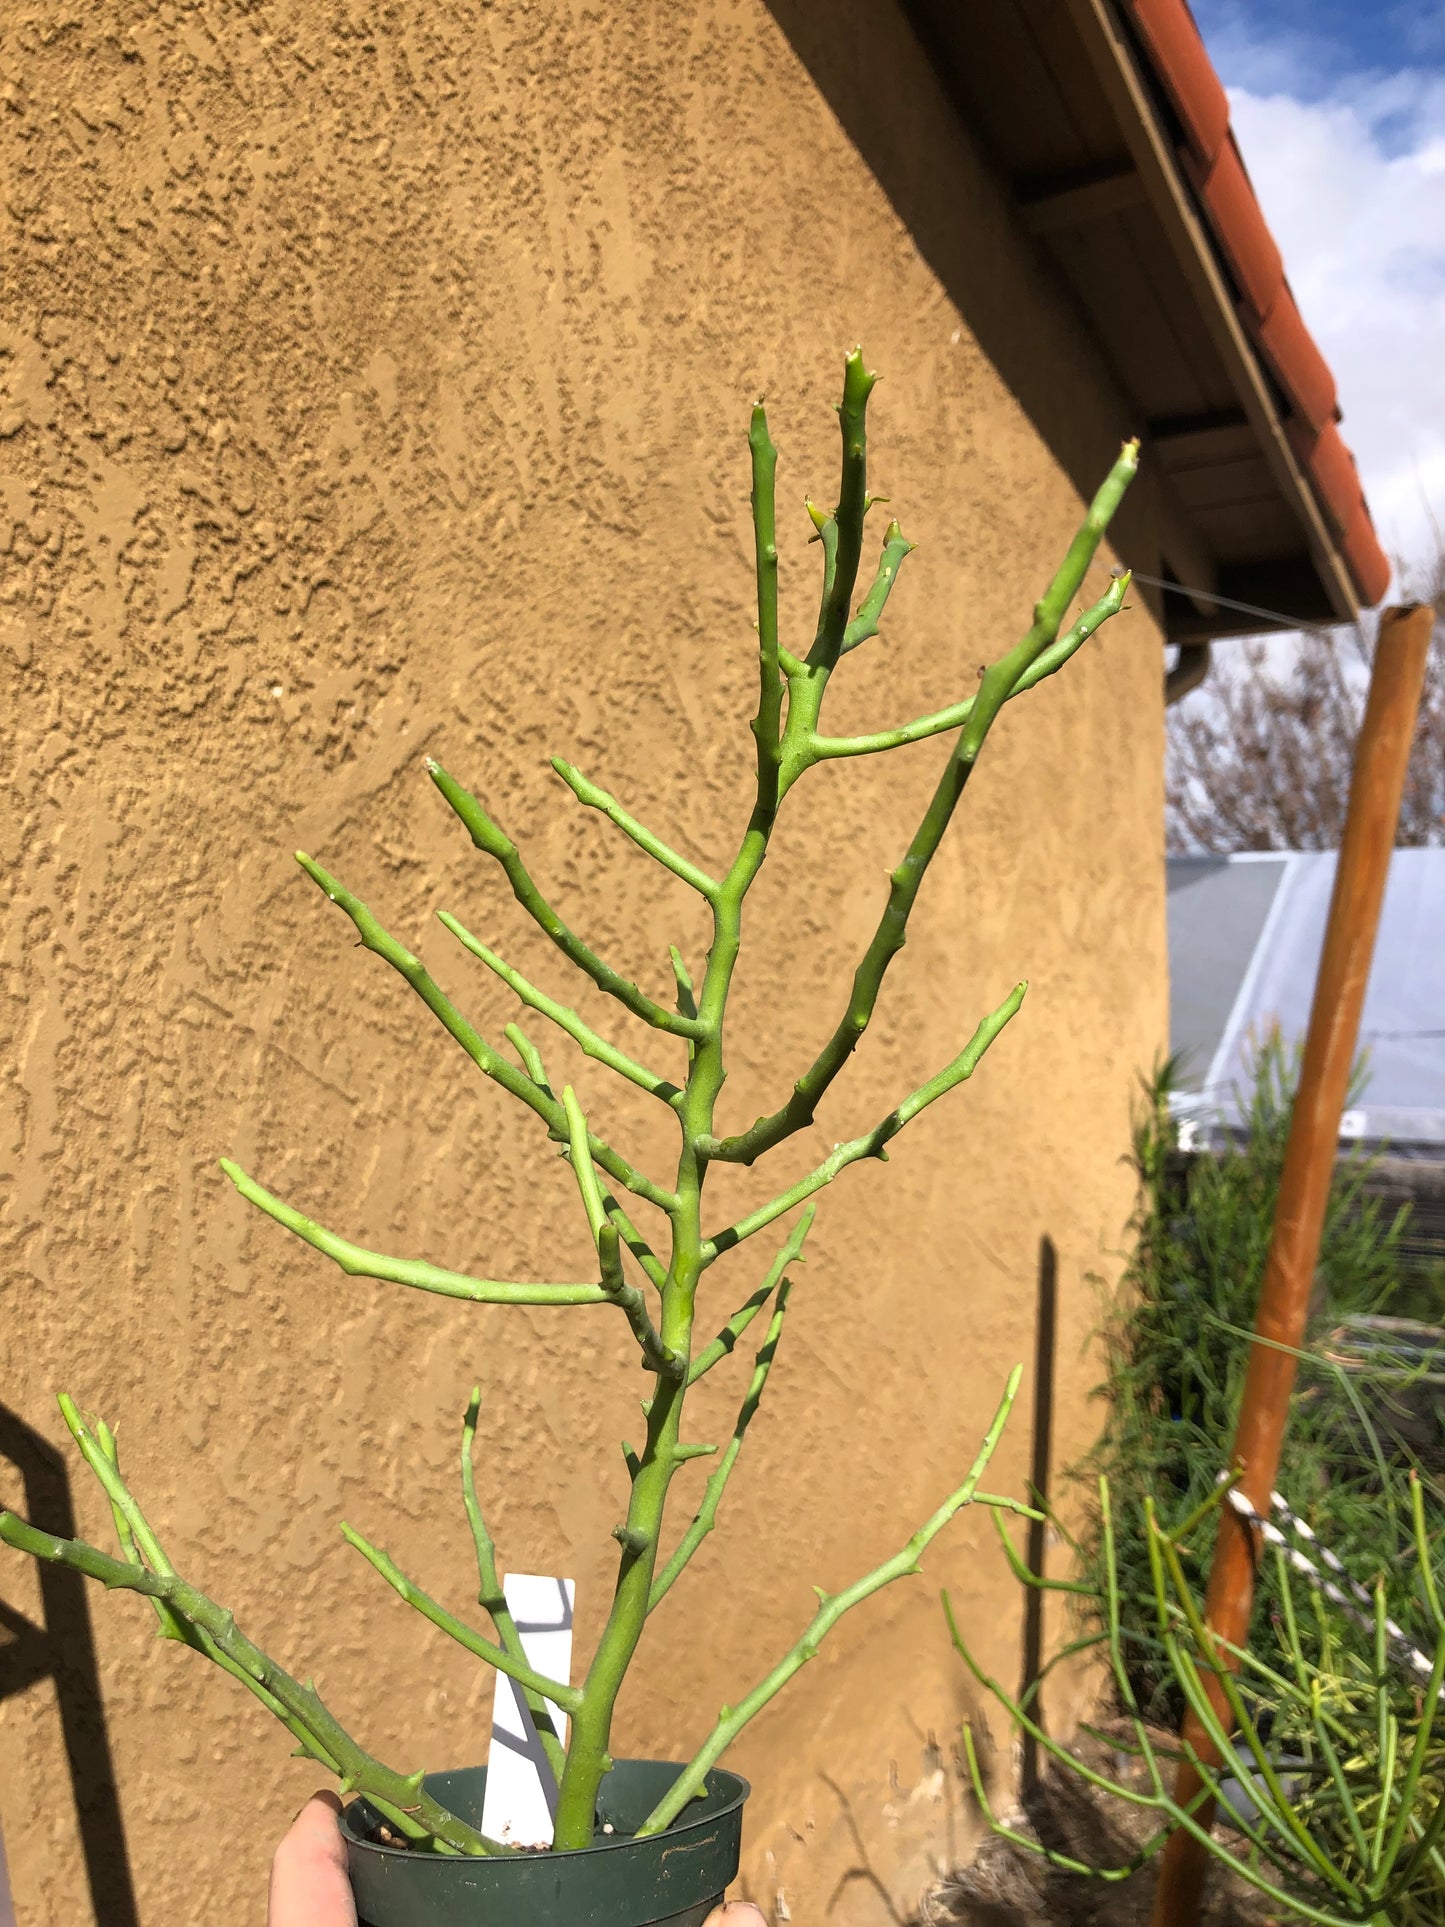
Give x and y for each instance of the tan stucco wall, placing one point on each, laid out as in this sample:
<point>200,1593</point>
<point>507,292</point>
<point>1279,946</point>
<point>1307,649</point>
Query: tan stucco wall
<point>375,384</point>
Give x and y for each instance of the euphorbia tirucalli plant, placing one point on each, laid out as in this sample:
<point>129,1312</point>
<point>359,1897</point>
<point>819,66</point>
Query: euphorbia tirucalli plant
<point>653,1279</point>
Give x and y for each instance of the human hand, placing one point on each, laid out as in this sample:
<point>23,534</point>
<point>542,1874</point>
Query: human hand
<point>309,1887</point>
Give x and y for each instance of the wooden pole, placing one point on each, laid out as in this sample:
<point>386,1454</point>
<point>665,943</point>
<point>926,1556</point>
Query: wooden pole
<point>1381,759</point>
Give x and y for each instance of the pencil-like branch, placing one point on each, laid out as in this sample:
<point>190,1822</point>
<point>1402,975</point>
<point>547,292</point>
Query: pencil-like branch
<point>199,1622</point>
<point>491,1596</point>
<point>827,748</point>
<point>767,725</point>
<point>686,991</point>
<point>1000,681</point>
<point>660,1358</point>
<point>872,1143</point>
<point>722,1346</point>
<point>641,1250</point>
<point>628,1232</point>
<point>706,1516</point>
<point>563,1016</point>
<point>864,625</point>
<point>1344,1844</point>
<point>596,798</point>
<point>825,533</point>
<point>567,1697</point>
<point>359,1263</point>
<point>531,1058</point>
<point>497,844</point>
<point>489,1061</point>
<point>1051,659</point>
<point>848,517</point>
<point>732,1719</point>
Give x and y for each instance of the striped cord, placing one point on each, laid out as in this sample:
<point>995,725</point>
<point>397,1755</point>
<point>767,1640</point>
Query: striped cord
<point>1347,1596</point>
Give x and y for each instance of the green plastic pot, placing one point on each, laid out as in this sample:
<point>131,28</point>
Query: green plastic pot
<point>670,1879</point>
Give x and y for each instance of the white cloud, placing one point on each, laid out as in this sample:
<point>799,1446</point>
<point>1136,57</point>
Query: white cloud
<point>1353,185</point>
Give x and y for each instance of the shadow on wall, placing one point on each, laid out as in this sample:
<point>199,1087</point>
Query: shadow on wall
<point>63,1649</point>
<point>875,75</point>
<point>1061,1811</point>
<point>1045,1343</point>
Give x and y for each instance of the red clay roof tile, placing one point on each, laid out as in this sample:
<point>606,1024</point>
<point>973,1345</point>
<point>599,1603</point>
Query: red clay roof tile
<point>1331,468</point>
<point>1182,68</point>
<point>1241,229</point>
<point>1302,370</point>
<point>1182,62</point>
<point>1364,558</point>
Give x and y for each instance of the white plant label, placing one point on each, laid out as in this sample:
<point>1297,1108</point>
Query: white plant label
<point>519,1807</point>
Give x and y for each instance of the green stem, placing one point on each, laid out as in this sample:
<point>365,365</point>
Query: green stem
<point>721,1347</point>
<point>491,1596</point>
<point>767,724</point>
<point>706,1516</point>
<point>588,1759</point>
<point>360,1263</point>
<point>731,1720</point>
<point>301,1708</point>
<point>1063,1861</point>
<point>495,1656</point>
<point>827,748</point>
<point>659,1356</point>
<point>872,1143</point>
<point>639,1247</point>
<point>594,797</point>
<point>848,519</point>
<point>640,1533</point>
<point>490,1062</point>
<point>864,625</point>
<point>498,845</point>
<point>563,1016</point>
<point>1000,681</point>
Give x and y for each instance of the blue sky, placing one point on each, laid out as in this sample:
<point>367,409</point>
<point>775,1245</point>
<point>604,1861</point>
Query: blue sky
<point>1339,110</point>
<point>1338,38</point>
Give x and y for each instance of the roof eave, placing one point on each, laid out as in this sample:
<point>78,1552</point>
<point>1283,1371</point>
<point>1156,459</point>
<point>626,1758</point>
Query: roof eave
<point>1163,178</point>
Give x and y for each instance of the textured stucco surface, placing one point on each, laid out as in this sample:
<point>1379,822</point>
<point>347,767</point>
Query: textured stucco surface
<point>373,383</point>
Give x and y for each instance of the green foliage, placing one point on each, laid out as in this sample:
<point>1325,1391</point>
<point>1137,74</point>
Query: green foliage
<point>1177,1344</point>
<point>1334,1752</point>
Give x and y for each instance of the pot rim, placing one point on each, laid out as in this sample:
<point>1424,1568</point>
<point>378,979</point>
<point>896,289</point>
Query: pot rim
<point>735,1788</point>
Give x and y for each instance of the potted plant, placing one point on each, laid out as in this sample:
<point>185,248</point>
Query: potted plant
<point>417,1854</point>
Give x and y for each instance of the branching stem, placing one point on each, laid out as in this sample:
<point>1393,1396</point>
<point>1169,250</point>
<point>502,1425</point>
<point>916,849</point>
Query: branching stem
<point>872,1143</point>
<point>732,1719</point>
<point>212,1630</point>
<point>563,1016</point>
<point>491,1596</point>
<point>596,798</point>
<point>497,844</point>
<point>788,742</point>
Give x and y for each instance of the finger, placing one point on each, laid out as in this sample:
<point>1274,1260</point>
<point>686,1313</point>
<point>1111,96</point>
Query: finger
<point>737,1913</point>
<point>309,1887</point>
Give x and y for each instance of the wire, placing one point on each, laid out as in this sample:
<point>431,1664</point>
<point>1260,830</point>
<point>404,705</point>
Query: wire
<point>1222,601</point>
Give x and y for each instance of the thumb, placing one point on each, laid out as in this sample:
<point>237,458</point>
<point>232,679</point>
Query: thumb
<point>309,1887</point>
<point>737,1913</point>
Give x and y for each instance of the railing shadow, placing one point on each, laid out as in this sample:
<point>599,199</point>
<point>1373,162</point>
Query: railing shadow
<point>62,1649</point>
